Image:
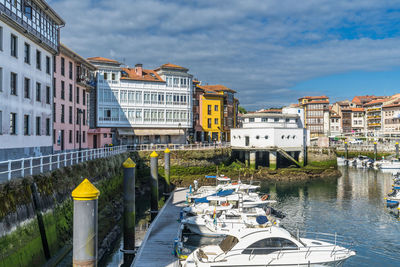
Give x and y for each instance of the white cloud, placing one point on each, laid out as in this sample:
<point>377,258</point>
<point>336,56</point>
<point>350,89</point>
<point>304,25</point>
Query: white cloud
<point>259,48</point>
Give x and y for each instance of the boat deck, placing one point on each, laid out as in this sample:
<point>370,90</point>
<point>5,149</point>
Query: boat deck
<point>158,244</point>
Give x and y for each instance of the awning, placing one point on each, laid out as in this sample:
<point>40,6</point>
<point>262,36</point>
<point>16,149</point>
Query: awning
<point>142,132</point>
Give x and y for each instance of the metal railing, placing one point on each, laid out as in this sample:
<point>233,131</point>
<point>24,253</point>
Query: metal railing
<point>34,165</point>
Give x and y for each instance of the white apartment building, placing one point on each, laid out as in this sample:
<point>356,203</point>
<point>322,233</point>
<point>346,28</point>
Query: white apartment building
<point>335,124</point>
<point>29,37</point>
<point>145,106</point>
<point>358,122</point>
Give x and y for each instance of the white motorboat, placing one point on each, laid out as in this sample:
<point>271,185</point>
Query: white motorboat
<point>391,164</point>
<point>341,161</point>
<point>272,246</point>
<point>223,222</point>
<point>394,196</point>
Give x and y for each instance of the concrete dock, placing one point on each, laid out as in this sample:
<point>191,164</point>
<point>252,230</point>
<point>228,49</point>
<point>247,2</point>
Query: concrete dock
<point>158,244</point>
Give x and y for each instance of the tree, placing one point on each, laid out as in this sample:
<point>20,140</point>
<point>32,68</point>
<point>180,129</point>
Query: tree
<point>242,110</point>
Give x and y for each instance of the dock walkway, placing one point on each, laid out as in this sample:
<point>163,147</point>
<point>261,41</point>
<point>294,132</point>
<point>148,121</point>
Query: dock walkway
<point>158,244</point>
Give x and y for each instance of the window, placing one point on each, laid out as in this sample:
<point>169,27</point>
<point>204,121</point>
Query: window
<point>27,88</point>
<point>276,119</point>
<point>216,108</point>
<point>26,124</point>
<point>28,11</point>
<point>47,65</point>
<point>63,66</point>
<point>47,126</point>
<point>70,92</point>
<point>1,79</point>
<point>47,94</point>
<point>38,125</point>
<point>77,95</point>
<point>105,76</point>
<point>54,112</point>
<point>209,123</point>
<point>54,87</point>
<point>38,92</point>
<point>27,53</point>
<point>70,115</point>
<point>1,38</point>
<point>251,119</point>
<point>113,76</point>
<point>13,83</point>
<point>266,137</point>
<point>14,45</point>
<point>62,90</point>
<point>70,70</point>
<point>38,60</point>
<point>209,109</point>
<point>70,136</point>
<point>84,137</point>
<point>269,245</point>
<point>77,136</point>
<point>54,64</point>
<point>84,118</point>
<point>264,119</point>
<point>13,123</point>
<point>62,114</point>
<point>216,121</point>
<point>54,136</point>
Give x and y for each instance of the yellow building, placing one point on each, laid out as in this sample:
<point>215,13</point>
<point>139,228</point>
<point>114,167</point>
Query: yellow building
<point>211,115</point>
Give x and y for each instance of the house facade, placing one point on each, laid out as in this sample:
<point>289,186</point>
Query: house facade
<point>144,106</point>
<point>29,37</point>
<point>316,110</point>
<point>73,81</point>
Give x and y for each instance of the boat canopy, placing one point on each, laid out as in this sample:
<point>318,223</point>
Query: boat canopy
<point>222,193</point>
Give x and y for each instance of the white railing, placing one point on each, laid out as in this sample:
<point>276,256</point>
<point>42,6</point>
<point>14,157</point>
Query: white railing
<point>35,165</point>
<point>158,147</point>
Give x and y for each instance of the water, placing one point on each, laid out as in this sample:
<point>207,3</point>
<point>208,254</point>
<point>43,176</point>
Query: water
<point>352,206</point>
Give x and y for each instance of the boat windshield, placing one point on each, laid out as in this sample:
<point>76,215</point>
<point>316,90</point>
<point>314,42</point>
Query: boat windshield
<point>228,243</point>
<point>294,236</point>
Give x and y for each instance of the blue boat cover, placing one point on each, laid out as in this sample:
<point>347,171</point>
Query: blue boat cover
<point>261,219</point>
<point>210,176</point>
<point>396,187</point>
<point>222,193</point>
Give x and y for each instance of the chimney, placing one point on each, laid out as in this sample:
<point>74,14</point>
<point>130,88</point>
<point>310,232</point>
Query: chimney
<point>139,69</point>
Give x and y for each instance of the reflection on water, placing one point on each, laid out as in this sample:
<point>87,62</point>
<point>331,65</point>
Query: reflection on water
<point>352,206</point>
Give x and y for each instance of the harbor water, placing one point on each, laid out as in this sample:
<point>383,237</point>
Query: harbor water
<point>352,206</point>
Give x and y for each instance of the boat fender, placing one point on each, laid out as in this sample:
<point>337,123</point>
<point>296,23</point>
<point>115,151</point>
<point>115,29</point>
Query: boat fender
<point>225,204</point>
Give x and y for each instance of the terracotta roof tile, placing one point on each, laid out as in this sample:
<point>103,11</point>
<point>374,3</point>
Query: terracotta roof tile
<point>218,87</point>
<point>147,75</point>
<point>314,97</point>
<point>376,101</point>
<point>102,59</point>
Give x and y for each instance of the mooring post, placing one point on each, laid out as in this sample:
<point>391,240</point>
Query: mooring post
<point>42,229</point>
<point>167,165</point>
<point>375,151</point>
<point>397,149</point>
<point>85,225</point>
<point>129,211</point>
<point>154,184</point>
<point>346,150</point>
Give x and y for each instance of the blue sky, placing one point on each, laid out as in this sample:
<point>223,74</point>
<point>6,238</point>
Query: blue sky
<point>271,51</point>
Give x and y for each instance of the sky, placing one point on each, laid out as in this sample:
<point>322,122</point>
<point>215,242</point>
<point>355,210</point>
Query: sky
<point>270,51</point>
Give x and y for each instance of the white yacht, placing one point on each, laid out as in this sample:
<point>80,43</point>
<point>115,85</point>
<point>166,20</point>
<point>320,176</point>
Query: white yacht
<point>272,246</point>
<point>391,164</point>
<point>341,161</point>
<point>223,222</point>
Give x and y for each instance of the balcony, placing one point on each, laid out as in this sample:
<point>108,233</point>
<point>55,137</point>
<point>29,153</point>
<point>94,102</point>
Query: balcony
<point>86,81</point>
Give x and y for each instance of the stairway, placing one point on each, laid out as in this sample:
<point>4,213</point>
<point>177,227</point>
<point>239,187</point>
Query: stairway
<point>286,155</point>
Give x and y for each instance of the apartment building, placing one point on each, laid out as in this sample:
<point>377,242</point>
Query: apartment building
<point>73,81</point>
<point>29,37</point>
<point>391,118</point>
<point>316,110</point>
<point>144,106</point>
<point>335,124</point>
<point>343,109</point>
<point>358,124</point>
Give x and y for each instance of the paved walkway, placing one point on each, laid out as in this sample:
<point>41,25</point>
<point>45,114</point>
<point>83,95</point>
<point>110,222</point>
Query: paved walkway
<point>157,247</point>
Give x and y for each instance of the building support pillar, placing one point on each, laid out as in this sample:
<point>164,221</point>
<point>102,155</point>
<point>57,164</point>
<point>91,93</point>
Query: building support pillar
<point>246,158</point>
<point>272,160</point>
<point>253,157</point>
<point>301,157</point>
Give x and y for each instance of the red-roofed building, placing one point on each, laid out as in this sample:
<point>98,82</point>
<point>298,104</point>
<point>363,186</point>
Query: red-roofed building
<point>391,117</point>
<point>316,110</point>
<point>374,113</point>
<point>144,106</point>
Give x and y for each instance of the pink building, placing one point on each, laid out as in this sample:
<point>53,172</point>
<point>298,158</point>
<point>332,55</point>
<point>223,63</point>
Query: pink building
<point>73,80</point>
<point>99,137</point>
